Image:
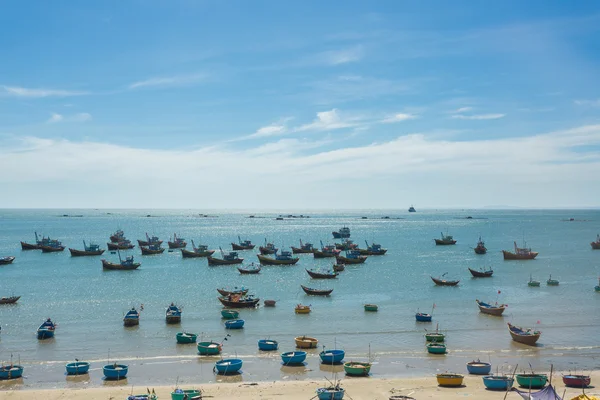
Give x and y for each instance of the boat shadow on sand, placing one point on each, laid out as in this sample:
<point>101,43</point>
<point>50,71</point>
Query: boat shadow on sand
<point>114,382</point>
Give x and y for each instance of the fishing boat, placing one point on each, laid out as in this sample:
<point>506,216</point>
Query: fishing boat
<point>597,288</point>
<point>552,282</point>
<point>480,248</point>
<point>532,381</point>
<point>293,357</point>
<point>533,283</point>
<point>11,371</point>
<point>450,380</point>
<point>282,258</point>
<point>251,269</point>
<point>355,368</point>
<point>479,367</point>
<point>525,336</point>
<point>229,314</point>
<point>45,241</point>
<point>186,394</point>
<point>91,250</point>
<point>152,249</point>
<point>242,245</point>
<point>411,209</point>
<point>46,329</point>
<point>305,248</point>
<point>486,308</point>
<point>127,264</point>
<point>132,318</point>
<point>595,245</point>
<point>328,251</point>
<point>234,324</point>
<point>316,292</point>
<point>347,244</point>
<point>322,275</point>
<point>29,246</point>
<point>118,236</point>
<point>520,253</point>
<point>445,240</point>
<point>173,314</point>
<point>6,260</point>
<point>372,249</point>
<point>351,257</point>
<point>200,251</point>
<point>177,242</point>
<point>209,348</point>
<point>331,392</point>
<point>228,366</point>
<point>577,381</point>
<point>123,245</point>
<point>77,368</point>
<point>268,345</point>
<point>332,357</point>
<point>270,303</point>
<point>422,317</point>
<point>302,309</point>
<point>436,336</point>
<point>343,233</point>
<point>339,267</point>
<point>235,291</point>
<point>443,282</point>
<point>305,342</point>
<point>150,241</point>
<point>371,307</point>
<point>494,382</point>
<point>436,348</point>
<point>53,246</point>
<point>115,371</point>
<point>230,258</point>
<point>186,337</point>
<point>9,300</point>
<point>481,273</point>
<point>236,301</point>
<point>268,248</point>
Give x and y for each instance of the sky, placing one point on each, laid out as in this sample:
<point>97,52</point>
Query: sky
<point>299,105</point>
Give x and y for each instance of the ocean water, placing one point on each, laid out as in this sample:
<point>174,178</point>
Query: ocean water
<point>88,303</point>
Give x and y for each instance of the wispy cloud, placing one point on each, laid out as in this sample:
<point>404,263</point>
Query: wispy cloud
<point>344,56</point>
<point>349,88</point>
<point>589,103</point>
<point>463,109</point>
<point>478,116</point>
<point>33,93</point>
<point>55,118</point>
<point>79,117</point>
<point>178,80</point>
<point>398,118</point>
<point>330,120</point>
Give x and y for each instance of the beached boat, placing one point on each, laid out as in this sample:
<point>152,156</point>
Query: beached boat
<point>91,250</point>
<point>525,336</point>
<point>595,245</point>
<point>115,371</point>
<point>480,248</point>
<point>322,275</point>
<point>316,292</point>
<point>200,251</point>
<point>486,308</point>
<point>482,273</point>
<point>306,342</point>
<point>11,371</point>
<point>332,357</point>
<point>173,314</point>
<point>6,260</point>
<point>46,329</point>
<point>302,309</point>
<point>127,264</point>
<point>282,258</point>
<point>411,209</point>
<point>347,244</point>
<point>520,253</point>
<point>150,241</point>
<point>305,248</point>
<point>269,303</point>
<point>9,300</point>
<point>577,381</point>
<point>479,367</point>
<point>436,348</point>
<point>152,249</point>
<point>443,282</point>
<point>186,337</point>
<point>228,366</point>
<point>132,318</point>
<point>177,242</point>
<point>268,248</point>
<point>123,245</point>
<point>422,317</point>
<point>293,357</point>
<point>372,249</point>
<point>343,233</point>
<point>351,257</point>
<point>371,307</point>
<point>250,270</point>
<point>230,258</point>
<point>234,324</point>
<point>328,251</point>
<point>236,301</point>
<point>209,348</point>
<point>186,394</point>
<point>355,368</point>
<point>450,380</point>
<point>235,291</point>
<point>532,381</point>
<point>494,382</point>
<point>533,283</point>
<point>242,245</point>
<point>331,393</point>
<point>552,282</point>
<point>77,368</point>
<point>268,345</point>
<point>445,240</point>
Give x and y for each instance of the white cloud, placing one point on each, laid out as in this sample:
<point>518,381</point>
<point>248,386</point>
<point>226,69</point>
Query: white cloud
<point>336,57</point>
<point>398,118</point>
<point>591,103</point>
<point>463,109</point>
<point>26,92</point>
<point>328,121</point>
<point>55,118</point>
<point>479,116</point>
<point>79,117</point>
<point>179,80</point>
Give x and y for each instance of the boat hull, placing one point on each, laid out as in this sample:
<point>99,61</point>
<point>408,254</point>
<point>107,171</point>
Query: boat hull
<point>149,252</point>
<point>533,381</point>
<point>185,338</point>
<point>209,348</point>
<point>273,261</point>
<point>195,254</point>
<point>111,266</point>
<point>131,321</point>
<point>512,256</point>
<point>297,250</point>
<point>434,348</point>
<point>9,300</point>
<point>595,245</point>
<point>577,381</point>
<point>323,254</point>
<point>11,372</point>
<point>7,260</point>
<point>481,274</point>
<point>498,382</point>
<point>332,357</point>
<point>176,245</point>
<point>250,271</point>
<point>305,342</point>
<point>83,253</point>
<point>115,371</point>
<point>331,393</point>
<point>236,246</point>
<point>228,366</point>
<point>316,292</point>
<point>52,249</point>
<point>435,337</point>
<point>528,339</point>
<point>220,261</point>
<point>346,260</point>
<point>225,292</point>
<point>317,275</point>
<point>267,250</point>
<point>440,242</point>
<point>293,357</point>
<point>173,319</point>
<point>239,304</point>
<point>77,368</point>
<point>44,333</point>
<point>187,394</point>
<point>268,345</point>
<point>229,314</point>
<point>118,246</point>
<point>371,307</point>
<point>479,368</point>
<point>29,246</point>
<point>487,309</point>
<point>357,368</point>
<point>442,282</point>
<point>234,324</point>
<point>423,317</point>
<point>450,380</point>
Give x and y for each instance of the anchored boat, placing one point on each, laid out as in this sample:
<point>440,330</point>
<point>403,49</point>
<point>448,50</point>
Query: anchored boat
<point>316,292</point>
<point>268,248</point>
<point>479,367</point>
<point>127,264</point>
<point>343,233</point>
<point>91,250</point>
<point>328,251</point>
<point>10,371</point>
<point>242,245</point>
<point>305,248</point>
<point>481,273</point>
<point>486,308</point>
<point>115,371</point>
<point>480,248</point>
<point>322,275</point>
<point>525,336</point>
<point>443,282</point>
<point>132,318</point>
<point>282,258</point>
<point>77,368</point>
<point>173,314</point>
<point>355,368</point>
<point>306,342</point>
<point>332,357</point>
<point>228,259</point>
<point>6,260</point>
<point>150,241</point>
<point>228,366</point>
<point>46,329</point>
<point>351,257</point>
<point>293,357</point>
<point>186,337</point>
<point>177,242</point>
<point>152,249</point>
<point>520,253</point>
<point>9,300</point>
<point>200,251</point>
<point>250,270</point>
<point>302,309</point>
<point>494,382</point>
<point>268,345</point>
<point>595,245</point>
<point>236,301</point>
<point>445,240</point>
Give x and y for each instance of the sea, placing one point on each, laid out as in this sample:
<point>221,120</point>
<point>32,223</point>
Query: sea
<point>88,303</point>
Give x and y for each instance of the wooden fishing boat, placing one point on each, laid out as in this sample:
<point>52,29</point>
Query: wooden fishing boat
<point>152,249</point>
<point>339,267</point>
<point>228,366</point>
<point>283,258</point>
<point>234,324</point>
<point>302,309</point>
<point>372,249</point>
<point>347,244</point>
<point>486,308</point>
<point>520,253</point>
<point>479,367</point>
<point>423,317</point>
<point>77,368</point>
<point>533,283</point>
<point>480,248</point>
<point>355,368</point>
<point>552,282</point>
<point>268,248</point>
<point>150,241</point>
<point>132,318</point>
<point>118,236</point>
<point>229,314</point>
<point>595,245</point>
<point>236,301</point>
<point>577,381</point>
<point>115,371</point>
<point>173,314</point>
<point>186,394</point>
<point>268,345</point>
<point>177,242</point>
<point>322,275</point>
<point>251,269</point>
<point>482,273</point>
<point>200,251</point>
<point>227,259</point>
<point>6,260</point>
<point>53,247</point>
<point>443,282</point>
<point>445,240</point>
<point>450,380</point>
<point>351,257</point>
<point>411,209</point>
<point>500,383</point>
<point>532,381</point>
<point>127,264</point>
<point>9,300</point>
<point>91,250</point>
<point>343,233</point>
<point>46,329</point>
<point>436,348</point>
<point>270,303</point>
<point>305,248</point>
<point>525,336</point>
<point>209,348</point>
<point>306,342</point>
<point>332,357</point>
<point>316,292</point>
<point>242,245</point>
<point>123,245</point>
<point>11,371</point>
<point>326,251</point>
<point>239,292</point>
<point>371,307</point>
<point>293,357</point>
<point>186,337</point>
<point>29,246</point>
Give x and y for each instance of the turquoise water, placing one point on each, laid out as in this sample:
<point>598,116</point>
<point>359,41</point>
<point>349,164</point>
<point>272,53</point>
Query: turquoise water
<point>89,303</point>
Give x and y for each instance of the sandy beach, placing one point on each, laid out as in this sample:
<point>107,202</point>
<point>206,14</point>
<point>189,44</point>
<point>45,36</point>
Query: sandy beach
<point>356,388</point>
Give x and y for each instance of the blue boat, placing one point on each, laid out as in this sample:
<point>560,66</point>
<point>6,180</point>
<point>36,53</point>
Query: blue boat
<point>46,330</point>
<point>228,366</point>
<point>422,317</point>
<point>115,371</point>
<point>479,368</point>
<point>332,356</point>
<point>173,315</point>
<point>78,368</point>
<point>234,324</point>
<point>293,357</point>
<point>267,345</point>
<point>131,318</point>
<point>11,371</point>
<point>330,393</point>
<point>503,383</point>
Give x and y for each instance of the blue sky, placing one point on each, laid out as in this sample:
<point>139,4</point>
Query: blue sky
<point>275,104</point>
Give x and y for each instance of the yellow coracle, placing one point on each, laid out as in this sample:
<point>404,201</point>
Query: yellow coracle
<point>585,397</point>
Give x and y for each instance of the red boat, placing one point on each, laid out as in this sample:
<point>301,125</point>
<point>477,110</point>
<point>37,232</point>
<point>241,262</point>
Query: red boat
<point>596,244</point>
<point>480,249</point>
<point>577,381</point>
<point>521,253</point>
